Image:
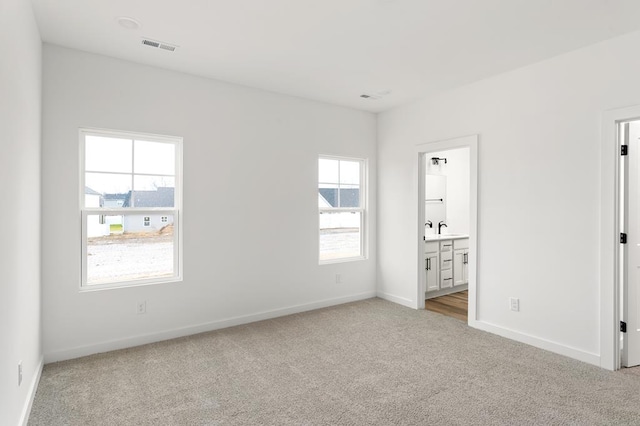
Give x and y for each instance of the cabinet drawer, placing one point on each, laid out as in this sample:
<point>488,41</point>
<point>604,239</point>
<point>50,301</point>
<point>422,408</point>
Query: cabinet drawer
<point>446,278</point>
<point>431,247</point>
<point>446,245</point>
<point>446,259</point>
<point>461,244</point>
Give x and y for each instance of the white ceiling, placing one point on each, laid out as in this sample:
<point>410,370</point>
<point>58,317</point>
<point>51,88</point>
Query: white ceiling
<point>336,50</point>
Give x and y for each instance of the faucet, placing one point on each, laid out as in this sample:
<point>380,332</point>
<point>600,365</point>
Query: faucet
<point>440,225</point>
<point>429,224</point>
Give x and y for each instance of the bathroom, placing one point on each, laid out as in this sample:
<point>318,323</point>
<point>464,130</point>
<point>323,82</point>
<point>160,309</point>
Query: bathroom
<point>446,233</point>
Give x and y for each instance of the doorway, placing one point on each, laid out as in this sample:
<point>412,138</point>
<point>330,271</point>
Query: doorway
<point>446,232</point>
<point>447,227</point>
<point>619,239</point>
<point>629,204</point>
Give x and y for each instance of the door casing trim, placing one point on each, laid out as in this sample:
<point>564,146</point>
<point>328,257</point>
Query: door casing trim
<point>470,142</point>
<point>609,235</point>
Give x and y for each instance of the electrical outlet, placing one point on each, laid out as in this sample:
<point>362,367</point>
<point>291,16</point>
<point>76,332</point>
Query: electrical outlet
<point>142,307</point>
<point>514,304</point>
<point>338,279</point>
<point>19,373</point>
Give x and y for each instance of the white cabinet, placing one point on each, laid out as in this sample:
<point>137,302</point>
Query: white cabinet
<point>446,265</point>
<point>461,262</point>
<point>431,265</point>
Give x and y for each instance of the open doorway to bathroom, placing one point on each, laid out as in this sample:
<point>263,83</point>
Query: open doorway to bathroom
<point>447,231</point>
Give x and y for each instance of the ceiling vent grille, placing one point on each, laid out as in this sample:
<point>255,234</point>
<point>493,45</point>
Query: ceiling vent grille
<point>159,44</point>
<point>375,95</point>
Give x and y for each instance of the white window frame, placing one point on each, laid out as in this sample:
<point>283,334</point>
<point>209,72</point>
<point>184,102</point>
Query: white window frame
<point>175,211</point>
<point>362,209</point>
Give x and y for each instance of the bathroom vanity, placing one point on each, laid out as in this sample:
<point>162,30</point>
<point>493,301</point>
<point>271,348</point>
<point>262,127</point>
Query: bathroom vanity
<point>446,264</point>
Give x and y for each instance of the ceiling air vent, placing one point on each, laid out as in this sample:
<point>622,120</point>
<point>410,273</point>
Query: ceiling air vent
<point>159,44</point>
<point>375,95</point>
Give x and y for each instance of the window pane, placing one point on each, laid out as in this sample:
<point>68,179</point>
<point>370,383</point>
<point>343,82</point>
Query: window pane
<point>327,170</point>
<point>104,154</point>
<point>327,195</point>
<point>122,248</point>
<point>112,189</point>
<point>163,196</point>
<point>340,235</point>
<point>349,172</point>
<point>349,196</point>
<point>154,158</point>
<point>151,183</point>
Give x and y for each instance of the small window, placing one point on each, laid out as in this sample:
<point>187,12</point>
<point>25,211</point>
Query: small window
<point>131,209</point>
<point>341,202</point>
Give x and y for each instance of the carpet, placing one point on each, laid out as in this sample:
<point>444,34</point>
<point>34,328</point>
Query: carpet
<point>365,363</point>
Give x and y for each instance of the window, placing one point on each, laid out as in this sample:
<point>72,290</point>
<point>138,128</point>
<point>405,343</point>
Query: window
<point>131,187</point>
<point>341,201</point>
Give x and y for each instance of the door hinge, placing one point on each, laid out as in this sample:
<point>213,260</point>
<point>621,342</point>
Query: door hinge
<point>623,326</point>
<point>623,238</point>
<point>624,149</point>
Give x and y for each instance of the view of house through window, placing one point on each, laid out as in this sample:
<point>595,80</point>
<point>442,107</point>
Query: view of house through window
<point>131,208</point>
<point>341,208</point>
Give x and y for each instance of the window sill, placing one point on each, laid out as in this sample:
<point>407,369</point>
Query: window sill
<point>342,260</point>
<point>128,284</point>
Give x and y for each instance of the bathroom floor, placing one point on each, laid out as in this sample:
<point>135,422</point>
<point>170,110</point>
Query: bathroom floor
<point>453,305</point>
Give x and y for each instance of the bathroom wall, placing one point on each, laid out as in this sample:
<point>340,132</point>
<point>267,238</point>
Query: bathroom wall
<point>456,171</point>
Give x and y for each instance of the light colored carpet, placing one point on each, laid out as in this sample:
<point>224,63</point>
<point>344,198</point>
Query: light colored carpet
<point>365,363</point>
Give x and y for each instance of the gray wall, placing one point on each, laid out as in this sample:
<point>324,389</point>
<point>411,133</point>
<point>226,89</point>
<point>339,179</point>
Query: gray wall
<point>250,201</point>
<point>20,101</point>
<point>539,160</point>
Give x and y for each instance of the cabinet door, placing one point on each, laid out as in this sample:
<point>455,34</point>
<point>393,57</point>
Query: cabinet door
<point>461,267</point>
<point>431,269</point>
<point>459,275</point>
<point>465,266</point>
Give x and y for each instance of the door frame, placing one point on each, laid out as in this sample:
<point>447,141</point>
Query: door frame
<point>610,197</point>
<point>470,142</point>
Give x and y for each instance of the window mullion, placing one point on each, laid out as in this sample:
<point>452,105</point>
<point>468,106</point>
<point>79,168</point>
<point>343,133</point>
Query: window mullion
<point>339,203</point>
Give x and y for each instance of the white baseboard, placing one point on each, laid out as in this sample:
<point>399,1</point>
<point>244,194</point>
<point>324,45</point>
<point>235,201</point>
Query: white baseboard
<point>580,355</point>
<point>26,410</point>
<point>143,339</point>
<point>397,299</point>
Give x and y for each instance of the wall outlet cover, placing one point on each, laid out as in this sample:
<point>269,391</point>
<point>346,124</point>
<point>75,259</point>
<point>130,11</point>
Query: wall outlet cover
<point>514,304</point>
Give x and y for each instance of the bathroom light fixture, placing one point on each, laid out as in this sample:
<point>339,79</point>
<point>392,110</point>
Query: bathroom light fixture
<point>436,160</point>
<point>128,23</point>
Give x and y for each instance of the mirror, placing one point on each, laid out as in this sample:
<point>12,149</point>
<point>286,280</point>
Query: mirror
<point>435,202</point>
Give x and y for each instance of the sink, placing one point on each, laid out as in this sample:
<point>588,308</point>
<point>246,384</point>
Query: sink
<point>432,237</point>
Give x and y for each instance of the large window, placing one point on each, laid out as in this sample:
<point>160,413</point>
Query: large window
<point>341,204</point>
<point>130,206</point>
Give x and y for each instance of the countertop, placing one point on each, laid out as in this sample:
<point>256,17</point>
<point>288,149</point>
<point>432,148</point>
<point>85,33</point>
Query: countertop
<point>436,237</point>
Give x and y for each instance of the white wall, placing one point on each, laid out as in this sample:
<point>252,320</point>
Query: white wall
<point>456,171</point>
<point>20,72</point>
<point>539,177</point>
<point>250,201</point>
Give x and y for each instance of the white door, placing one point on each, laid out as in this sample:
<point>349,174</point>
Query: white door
<point>630,134</point>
